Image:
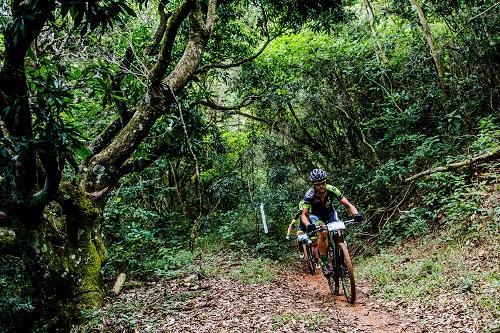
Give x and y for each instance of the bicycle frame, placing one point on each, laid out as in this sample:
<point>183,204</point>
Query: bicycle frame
<point>339,259</point>
<point>336,236</point>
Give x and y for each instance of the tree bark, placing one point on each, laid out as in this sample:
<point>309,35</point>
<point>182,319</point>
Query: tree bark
<point>63,254</point>
<point>371,19</point>
<point>430,41</point>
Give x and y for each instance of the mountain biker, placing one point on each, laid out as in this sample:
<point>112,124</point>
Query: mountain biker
<point>298,228</point>
<point>318,210</point>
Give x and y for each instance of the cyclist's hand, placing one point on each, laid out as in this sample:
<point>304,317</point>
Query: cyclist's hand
<point>358,218</point>
<point>287,237</point>
<point>311,227</point>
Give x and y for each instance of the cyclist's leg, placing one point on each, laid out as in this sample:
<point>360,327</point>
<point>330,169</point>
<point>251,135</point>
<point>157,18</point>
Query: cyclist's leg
<point>301,245</point>
<point>322,244</point>
<point>314,239</point>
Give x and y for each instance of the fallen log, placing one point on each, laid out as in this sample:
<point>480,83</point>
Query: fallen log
<point>494,154</point>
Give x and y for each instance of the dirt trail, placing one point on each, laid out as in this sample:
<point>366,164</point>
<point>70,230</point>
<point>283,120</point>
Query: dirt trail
<point>295,302</point>
<point>359,317</point>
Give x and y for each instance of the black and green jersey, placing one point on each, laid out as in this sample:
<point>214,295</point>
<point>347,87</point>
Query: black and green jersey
<point>313,203</point>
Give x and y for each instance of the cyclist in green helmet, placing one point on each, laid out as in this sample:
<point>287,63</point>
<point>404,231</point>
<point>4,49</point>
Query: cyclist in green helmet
<point>297,227</point>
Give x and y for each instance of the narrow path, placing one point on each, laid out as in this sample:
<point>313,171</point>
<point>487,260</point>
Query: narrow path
<point>351,318</point>
<point>294,302</point>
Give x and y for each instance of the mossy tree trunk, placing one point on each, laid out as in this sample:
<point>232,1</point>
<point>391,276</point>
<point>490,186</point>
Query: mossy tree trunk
<point>57,225</point>
<point>62,251</point>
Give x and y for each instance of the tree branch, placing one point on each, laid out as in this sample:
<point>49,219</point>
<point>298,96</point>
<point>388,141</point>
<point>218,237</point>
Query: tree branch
<point>116,85</point>
<point>162,27</point>
<point>205,68</point>
<point>136,165</point>
<point>360,131</point>
<point>494,154</point>
<point>107,135</point>
<point>177,188</point>
<point>53,165</point>
<point>197,222</point>
<point>269,39</point>
<point>101,170</point>
<point>245,102</point>
<point>198,37</point>
<point>314,143</point>
<point>171,30</point>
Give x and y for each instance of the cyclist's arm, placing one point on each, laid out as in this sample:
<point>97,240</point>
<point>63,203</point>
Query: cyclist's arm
<point>291,227</point>
<point>304,216</point>
<point>349,206</point>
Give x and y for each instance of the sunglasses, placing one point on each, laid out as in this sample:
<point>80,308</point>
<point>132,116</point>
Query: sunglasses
<point>320,183</point>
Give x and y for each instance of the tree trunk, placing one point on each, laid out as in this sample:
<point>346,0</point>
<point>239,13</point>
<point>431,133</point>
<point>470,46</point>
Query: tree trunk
<point>57,229</point>
<point>430,41</point>
<point>371,19</point>
<point>62,244</point>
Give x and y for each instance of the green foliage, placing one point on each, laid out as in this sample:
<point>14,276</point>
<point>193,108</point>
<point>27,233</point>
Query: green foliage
<point>144,243</point>
<point>324,99</point>
<point>412,279</point>
<point>89,15</point>
<point>254,271</point>
<point>295,13</point>
<point>445,262</point>
<point>15,302</point>
<point>489,134</point>
<point>410,223</point>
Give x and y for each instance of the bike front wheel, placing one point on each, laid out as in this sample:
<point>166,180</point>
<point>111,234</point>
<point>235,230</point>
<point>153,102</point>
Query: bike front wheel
<point>333,279</point>
<point>347,273</point>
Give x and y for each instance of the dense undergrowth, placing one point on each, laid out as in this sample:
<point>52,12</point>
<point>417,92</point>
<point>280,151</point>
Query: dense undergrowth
<point>455,264</point>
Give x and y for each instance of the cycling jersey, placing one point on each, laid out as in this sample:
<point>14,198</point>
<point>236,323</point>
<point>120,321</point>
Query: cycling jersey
<point>323,210</point>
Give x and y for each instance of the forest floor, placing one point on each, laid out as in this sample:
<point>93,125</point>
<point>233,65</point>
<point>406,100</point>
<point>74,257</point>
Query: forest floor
<point>292,301</point>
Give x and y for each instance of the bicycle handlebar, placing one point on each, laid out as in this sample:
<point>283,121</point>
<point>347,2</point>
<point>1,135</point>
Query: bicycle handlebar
<point>325,227</point>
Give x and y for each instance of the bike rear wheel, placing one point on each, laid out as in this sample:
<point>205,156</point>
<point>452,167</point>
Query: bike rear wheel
<point>311,263</point>
<point>347,273</point>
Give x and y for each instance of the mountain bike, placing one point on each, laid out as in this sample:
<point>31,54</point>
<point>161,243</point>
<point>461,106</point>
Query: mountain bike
<point>339,259</point>
<point>305,245</point>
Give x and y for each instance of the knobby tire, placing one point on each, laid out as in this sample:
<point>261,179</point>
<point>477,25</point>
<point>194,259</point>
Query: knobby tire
<point>333,280</point>
<point>311,264</point>
<point>348,283</point>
